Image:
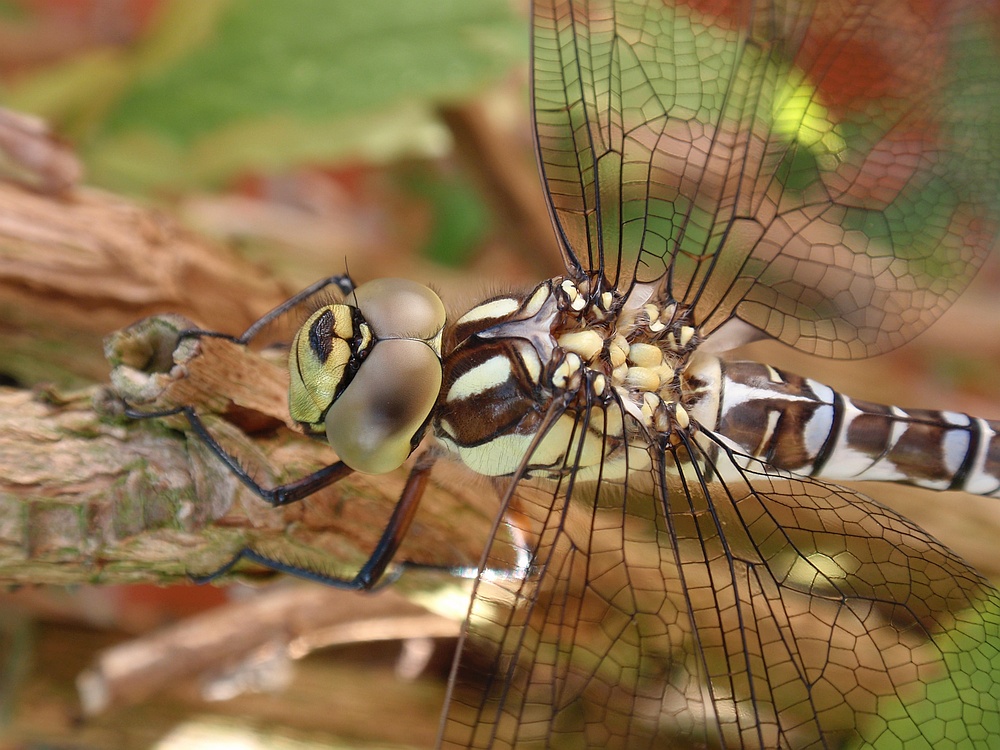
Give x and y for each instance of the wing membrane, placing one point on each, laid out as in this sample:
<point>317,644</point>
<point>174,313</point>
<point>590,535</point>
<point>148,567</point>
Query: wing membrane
<point>663,610</point>
<point>825,172</point>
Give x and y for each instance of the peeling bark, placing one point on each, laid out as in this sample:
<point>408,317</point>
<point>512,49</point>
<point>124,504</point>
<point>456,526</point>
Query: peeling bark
<point>88,495</point>
<point>76,266</point>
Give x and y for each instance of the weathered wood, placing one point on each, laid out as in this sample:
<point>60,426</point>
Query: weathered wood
<point>75,266</point>
<point>88,495</point>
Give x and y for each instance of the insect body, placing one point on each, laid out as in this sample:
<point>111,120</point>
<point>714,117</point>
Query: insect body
<point>596,403</point>
<point>824,174</point>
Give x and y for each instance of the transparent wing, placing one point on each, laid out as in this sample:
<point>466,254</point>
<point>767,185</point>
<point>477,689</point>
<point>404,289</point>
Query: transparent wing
<point>660,609</point>
<point>824,171</point>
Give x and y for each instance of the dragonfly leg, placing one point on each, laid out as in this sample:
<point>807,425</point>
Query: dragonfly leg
<point>372,575</point>
<point>469,572</point>
<point>342,281</point>
<point>283,494</point>
<point>308,574</point>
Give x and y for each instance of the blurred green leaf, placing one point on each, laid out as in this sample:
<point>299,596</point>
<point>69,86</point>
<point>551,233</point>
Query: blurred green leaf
<point>11,11</point>
<point>460,218</point>
<point>232,85</point>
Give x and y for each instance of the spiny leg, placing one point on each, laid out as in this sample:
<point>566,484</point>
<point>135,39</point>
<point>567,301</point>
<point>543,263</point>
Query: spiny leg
<point>286,493</point>
<point>372,574</point>
<point>342,281</point>
<point>283,494</point>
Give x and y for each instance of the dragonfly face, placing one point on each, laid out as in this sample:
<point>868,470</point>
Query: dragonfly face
<point>824,174</point>
<point>346,365</point>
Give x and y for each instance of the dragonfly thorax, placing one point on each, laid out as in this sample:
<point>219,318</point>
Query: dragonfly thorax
<point>616,366</point>
<point>367,372</point>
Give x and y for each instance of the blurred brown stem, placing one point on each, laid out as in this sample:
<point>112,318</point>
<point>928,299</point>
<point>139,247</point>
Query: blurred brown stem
<point>220,640</point>
<point>74,267</point>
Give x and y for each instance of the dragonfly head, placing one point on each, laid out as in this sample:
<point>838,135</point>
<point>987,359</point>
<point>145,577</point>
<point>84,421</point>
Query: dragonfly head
<point>367,372</point>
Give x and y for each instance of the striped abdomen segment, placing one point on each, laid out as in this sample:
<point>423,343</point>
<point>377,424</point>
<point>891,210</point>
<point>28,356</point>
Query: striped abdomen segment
<point>806,427</point>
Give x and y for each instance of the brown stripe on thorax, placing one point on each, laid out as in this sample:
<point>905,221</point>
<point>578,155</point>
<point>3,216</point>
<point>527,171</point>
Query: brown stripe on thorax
<point>514,406</point>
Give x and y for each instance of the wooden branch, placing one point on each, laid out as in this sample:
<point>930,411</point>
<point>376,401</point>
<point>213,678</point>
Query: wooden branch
<point>88,495</point>
<point>288,622</point>
<point>75,266</point>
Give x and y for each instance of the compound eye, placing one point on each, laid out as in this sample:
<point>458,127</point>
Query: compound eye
<point>372,423</point>
<point>401,309</point>
<point>369,372</point>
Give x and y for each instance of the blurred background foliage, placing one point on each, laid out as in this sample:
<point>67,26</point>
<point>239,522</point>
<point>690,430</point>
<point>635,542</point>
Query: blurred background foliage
<point>211,89</point>
<point>313,135</point>
<point>313,105</point>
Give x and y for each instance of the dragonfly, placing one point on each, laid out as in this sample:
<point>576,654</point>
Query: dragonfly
<point>673,563</point>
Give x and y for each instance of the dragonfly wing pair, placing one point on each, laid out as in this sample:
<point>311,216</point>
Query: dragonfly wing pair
<point>822,173</point>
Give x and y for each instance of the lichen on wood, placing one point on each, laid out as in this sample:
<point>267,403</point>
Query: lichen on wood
<point>93,495</point>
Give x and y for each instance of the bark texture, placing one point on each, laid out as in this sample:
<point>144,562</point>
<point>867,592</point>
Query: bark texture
<point>89,495</point>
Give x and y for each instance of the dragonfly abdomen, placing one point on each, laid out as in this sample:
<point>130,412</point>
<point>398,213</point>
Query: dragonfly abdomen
<point>805,427</point>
